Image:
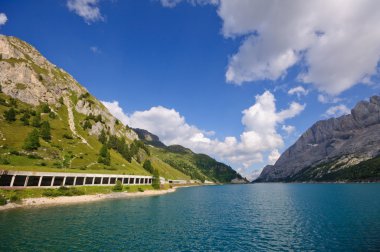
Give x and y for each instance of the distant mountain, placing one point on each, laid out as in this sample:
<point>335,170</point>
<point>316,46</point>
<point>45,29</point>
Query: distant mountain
<point>338,149</point>
<point>197,166</point>
<point>49,122</point>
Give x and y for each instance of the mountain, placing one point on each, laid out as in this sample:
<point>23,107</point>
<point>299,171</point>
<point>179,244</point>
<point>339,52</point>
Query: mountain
<point>49,122</point>
<point>338,149</point>
<point>197,166</point>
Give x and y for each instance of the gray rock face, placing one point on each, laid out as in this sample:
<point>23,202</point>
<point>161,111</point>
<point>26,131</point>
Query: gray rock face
<point>345,141</point>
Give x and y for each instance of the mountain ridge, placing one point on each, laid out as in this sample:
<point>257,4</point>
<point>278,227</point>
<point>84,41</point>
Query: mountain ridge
<point>330,146</point>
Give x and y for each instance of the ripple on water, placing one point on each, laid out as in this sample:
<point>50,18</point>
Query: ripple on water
<point>260,217</point>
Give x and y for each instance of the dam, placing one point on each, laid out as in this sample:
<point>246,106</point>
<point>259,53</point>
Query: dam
<point>22,179</point>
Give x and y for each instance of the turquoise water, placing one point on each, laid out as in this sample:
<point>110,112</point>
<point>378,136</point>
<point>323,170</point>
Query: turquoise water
<point>259,217</point>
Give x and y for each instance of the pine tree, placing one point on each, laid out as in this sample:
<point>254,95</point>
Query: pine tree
<point>156,179</point>
<point>148,166</point>
<point>102,137</point>
<point>32,141</point>
<point>104,155</point>
<point>45,131</point>
<point>36,121</point>
<point>10,115</point>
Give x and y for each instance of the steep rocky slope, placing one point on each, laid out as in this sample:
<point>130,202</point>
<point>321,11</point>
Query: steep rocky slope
<point>76,132</point>
<point>334,149</point>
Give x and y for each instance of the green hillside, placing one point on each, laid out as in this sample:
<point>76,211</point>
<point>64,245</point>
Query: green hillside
<point>49,122</point>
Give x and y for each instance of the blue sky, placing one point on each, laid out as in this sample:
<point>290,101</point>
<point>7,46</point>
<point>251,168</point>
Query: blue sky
<point>186,70</point>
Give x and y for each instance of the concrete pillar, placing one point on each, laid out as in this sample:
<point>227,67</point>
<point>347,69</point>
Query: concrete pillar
<point>109,180</point>
<point>93,180</point>
<point>101,181</point>
<point>64,181</point>
<point>12,180</point>
<point>39,181</point>
<point>52,181</point>
<point>26,181</point>
<point>75,180</point>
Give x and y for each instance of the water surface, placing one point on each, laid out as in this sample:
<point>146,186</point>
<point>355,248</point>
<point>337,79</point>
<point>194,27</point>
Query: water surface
<point>259,217</point>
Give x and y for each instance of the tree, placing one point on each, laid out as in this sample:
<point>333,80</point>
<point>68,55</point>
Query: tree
<point>32,141</point>
<point>102,137</point>
<point>156,179</point>
<point>104,155</point>
<point>45,131</point>
<point>36,121</point>
<point>118,187</point>
<point>87,124</point>
<point>25,117</point>
<point>148,166</point>
<point>10,115</point>
<point>45,108</point>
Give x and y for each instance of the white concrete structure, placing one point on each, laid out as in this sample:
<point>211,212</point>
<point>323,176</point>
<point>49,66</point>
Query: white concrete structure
<point>55,179</point>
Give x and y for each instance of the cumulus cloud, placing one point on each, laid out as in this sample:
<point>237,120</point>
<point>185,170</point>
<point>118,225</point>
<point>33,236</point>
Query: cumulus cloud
<point>3,19</point>
<point>173,3</point>
<point>289,129</point>
<point>299,91</point>
<point>337,111</point>
<point>87,9</point>
<point>259,137</point>
<point>116,111</point>
<point>338,42</point>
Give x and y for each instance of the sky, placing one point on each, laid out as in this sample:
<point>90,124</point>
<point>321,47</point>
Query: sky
<point>238,80</point>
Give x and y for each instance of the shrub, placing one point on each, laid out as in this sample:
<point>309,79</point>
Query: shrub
<point>118,186</point>
<point>63,191</point>
<point>104,155</point>
<point>15,198</point>
<point>34,156</point>
<point>45,131</point>
<point>3,200</point>
<point>14,152</point>
<point>140,189</point>
<point>32,141</point>
<point>10,115</point>
<point>45,108</point>
<point>67,136</point>
<point>4,161</point>
<point>52,115</point>
<point>36,121</point>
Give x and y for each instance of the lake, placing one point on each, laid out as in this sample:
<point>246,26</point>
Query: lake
<point>256,217</point>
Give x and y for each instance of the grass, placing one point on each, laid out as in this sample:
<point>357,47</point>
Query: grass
<point>69,191</point>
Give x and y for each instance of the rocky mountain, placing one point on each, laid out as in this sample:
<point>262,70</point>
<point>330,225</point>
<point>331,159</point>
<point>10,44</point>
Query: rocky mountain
<point>338,149</point>
<point>49,122</point>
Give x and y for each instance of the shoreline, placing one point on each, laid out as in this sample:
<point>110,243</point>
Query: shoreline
<point>68,200</point>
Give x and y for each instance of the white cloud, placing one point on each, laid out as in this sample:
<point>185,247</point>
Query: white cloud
<point>328,99</point>
<point>337,111</point>
<point>87,9</point>
<point>3,19</point>
<point>259,137</point>
<point>173,3</point>
<point>338,42</point>
<point>95,49</point>
<point>273,156</point>
<point>116,111</point>
<point>289,129</point>
<point>299,91</point>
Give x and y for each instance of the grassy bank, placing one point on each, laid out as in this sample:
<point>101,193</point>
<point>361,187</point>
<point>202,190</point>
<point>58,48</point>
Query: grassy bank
<point>17,195</point>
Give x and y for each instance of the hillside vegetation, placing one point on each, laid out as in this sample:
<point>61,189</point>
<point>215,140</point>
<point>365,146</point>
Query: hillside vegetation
<point>49,122</point>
